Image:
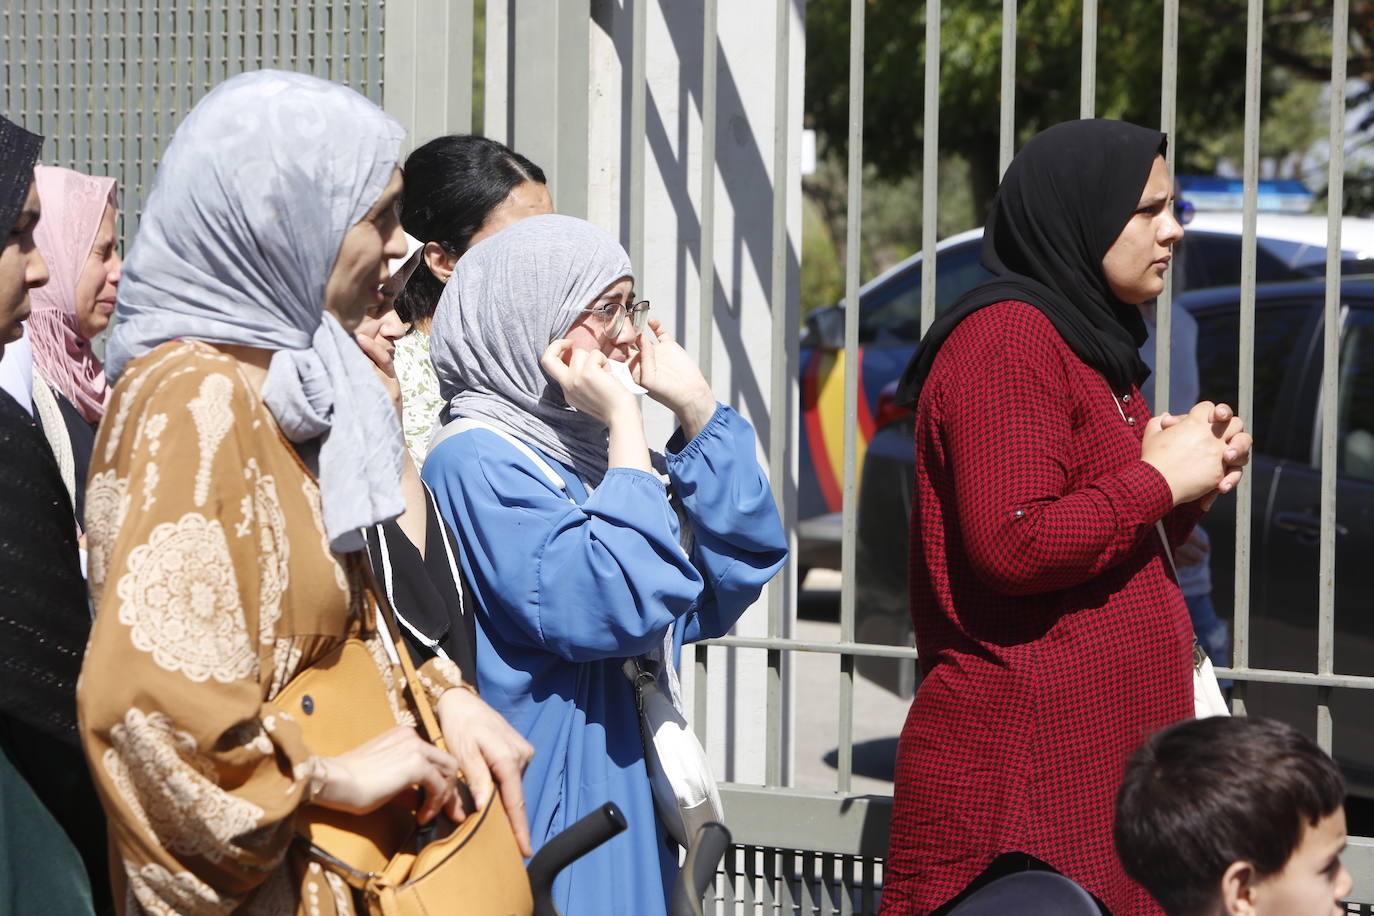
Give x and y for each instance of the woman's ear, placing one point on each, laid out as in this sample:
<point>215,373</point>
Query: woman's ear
<point>439,261</point>
<point>1238,890</point>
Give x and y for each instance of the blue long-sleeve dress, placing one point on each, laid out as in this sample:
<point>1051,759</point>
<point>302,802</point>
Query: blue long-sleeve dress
<point>568,585</point>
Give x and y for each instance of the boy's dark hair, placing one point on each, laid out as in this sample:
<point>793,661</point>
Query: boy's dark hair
<point>1203,794</point>
<point>452,183</point>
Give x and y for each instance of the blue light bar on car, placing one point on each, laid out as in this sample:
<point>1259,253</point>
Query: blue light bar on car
<point>1275,195</point>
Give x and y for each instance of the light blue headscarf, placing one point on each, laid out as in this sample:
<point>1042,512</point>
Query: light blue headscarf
<point>247,213</point>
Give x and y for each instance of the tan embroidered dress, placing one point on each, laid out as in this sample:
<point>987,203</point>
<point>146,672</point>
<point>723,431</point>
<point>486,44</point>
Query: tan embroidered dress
<point>214,586</point>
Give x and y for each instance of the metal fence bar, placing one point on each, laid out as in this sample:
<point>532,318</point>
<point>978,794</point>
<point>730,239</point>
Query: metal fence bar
<point>853,234</point>
<point>1246,369</point>
<point>706,307</point>
<point>930,164</point>
<point>638,102</point>
<point>83,65</point>
<point>807,645</point>
<point>1087,103</point>
<point>1168,116</point>
<point>1326,563</point>
<point>1006,134</point>
<point>781,380</point>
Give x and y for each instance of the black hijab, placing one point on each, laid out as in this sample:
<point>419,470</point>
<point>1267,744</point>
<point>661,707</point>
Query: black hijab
<point>1061,205</point>
<point>18,154</point>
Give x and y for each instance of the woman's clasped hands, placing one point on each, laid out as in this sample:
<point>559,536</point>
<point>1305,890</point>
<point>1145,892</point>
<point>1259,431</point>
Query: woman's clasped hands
<point>1201,454</point>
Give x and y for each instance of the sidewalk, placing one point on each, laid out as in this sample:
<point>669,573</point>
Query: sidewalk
<point>878,715</point>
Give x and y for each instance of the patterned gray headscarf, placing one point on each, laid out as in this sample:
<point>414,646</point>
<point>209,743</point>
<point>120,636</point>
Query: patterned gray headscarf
<point>510,297</point>
<point>247,213</point>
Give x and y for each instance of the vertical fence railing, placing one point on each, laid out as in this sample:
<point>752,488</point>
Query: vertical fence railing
<point>1246,346</point>
<point>1006,128</point>
<point>638,107</point>
<point>706,304</point>
<point>781,380</point>
<point>1326,572</point>
<point>1168,108</point>
<point>849,531</point>
<point>930,164</point>
<point>1087,91</point>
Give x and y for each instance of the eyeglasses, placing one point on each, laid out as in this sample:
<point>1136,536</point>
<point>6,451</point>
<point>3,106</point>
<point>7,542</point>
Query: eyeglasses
<point>613,316</point>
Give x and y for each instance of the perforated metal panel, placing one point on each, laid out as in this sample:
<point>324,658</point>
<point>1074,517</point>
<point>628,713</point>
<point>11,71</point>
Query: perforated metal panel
<point>107,82</point>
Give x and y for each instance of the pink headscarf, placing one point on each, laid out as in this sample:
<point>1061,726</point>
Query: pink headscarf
<point>73,205</point>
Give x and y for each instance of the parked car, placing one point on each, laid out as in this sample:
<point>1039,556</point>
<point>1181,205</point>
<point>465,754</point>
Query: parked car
<point>1288,247</point>
<point>1284,478</point>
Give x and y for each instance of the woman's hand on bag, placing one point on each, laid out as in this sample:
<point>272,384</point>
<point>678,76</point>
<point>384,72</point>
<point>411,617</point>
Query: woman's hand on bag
<point>373,773</point>
<point>488,749</point>
<point>588,384</point>
<point>673,378</point>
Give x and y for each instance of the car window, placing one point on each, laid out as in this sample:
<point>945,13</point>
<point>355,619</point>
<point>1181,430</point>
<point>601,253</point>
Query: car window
<point>1214,260</point>
<point>1355,401</point>
<point>1278,332</point>
<point>960,270</point>
<point>892,312</point>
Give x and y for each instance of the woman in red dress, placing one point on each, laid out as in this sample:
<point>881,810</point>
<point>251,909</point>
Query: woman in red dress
<point>1051,631</point>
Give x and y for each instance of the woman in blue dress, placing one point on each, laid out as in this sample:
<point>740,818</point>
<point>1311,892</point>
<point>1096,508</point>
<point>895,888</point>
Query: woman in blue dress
<point>576,554</point>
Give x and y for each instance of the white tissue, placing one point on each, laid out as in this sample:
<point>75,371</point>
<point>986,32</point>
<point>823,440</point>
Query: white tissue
<point>621,372</point>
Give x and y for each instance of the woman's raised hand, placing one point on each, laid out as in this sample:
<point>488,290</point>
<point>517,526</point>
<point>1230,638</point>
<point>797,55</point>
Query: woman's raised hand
<point>491,752</point>
<point>381,357</point>
<point>373,773</point>
<point>673,379</point>
<point>1201,454</point>
<point>587,383</point>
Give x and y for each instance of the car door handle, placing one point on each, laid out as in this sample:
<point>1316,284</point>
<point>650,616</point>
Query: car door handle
<point>1304,523</point>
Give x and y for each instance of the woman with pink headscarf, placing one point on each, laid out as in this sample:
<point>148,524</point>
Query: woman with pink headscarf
<point>78,242</point>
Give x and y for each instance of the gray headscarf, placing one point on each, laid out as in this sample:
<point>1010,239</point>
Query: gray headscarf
<point>247,213</point>
<point>510,297</point>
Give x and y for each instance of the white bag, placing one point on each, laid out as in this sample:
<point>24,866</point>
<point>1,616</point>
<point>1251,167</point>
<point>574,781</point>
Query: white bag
<point>685,792</point>
<point>1207,697</point>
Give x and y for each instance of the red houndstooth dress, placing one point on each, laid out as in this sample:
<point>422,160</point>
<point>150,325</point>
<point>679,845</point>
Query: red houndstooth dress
<point>1053,636</point>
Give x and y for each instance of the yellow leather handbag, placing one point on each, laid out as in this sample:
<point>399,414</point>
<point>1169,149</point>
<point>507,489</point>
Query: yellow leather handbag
<point>341,702</point>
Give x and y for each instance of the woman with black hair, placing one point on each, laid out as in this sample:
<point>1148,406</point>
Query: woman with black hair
<point>1046,504</point>
<point>460,189</point>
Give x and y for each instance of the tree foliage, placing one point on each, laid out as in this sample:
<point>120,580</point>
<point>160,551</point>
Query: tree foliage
<point>1211,72</point>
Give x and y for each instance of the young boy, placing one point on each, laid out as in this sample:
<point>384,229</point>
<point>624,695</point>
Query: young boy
<point>1234,816</point>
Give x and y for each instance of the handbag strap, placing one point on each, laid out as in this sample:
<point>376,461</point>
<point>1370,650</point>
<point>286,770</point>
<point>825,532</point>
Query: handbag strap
<point>387,615</point>
<point>1199,653</point>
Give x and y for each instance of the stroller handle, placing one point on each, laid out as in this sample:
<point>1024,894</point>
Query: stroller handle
<point>578,840</point>
<point>699,869</point>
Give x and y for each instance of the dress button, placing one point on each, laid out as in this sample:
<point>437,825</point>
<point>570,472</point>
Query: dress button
<point>1125,399</point>
<point>1019,513</point>
<point>1130,421</point>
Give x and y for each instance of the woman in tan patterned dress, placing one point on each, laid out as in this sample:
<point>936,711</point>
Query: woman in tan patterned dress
<point>247,441</point>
